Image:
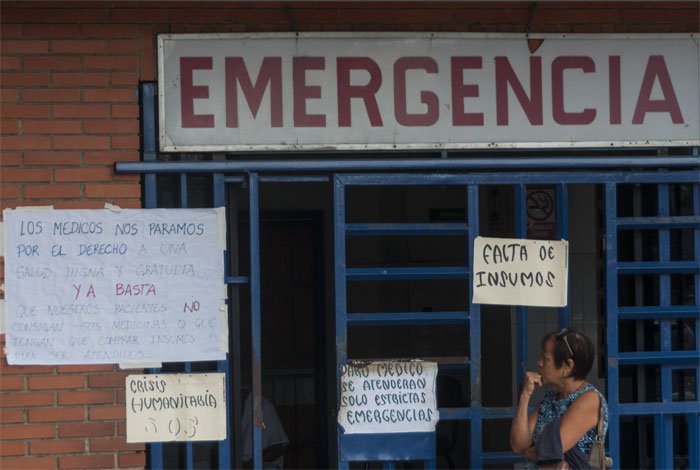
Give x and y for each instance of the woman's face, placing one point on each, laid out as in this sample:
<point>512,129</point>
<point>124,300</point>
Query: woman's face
<point>547,369</point>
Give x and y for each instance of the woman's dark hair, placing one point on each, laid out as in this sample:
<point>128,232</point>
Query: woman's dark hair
<point>571,344</point>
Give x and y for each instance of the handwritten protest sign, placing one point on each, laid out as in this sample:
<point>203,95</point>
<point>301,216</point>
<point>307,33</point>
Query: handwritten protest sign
<point>175,407</point>
<point>103,286</point>
<point>520,272</point>
<point>388,397</point>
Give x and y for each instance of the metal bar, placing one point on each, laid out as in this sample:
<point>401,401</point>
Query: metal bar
<point>237,280</point>
<point>256,320</point>
<point>150,151</point>
<point>404,274</point>
<point>654,408</point>
<point>502,458</point>
<point>183,190</point>
<point>659,357</point>
<point>521,312</point>
<point>294,179</point>
<point>652,223</point>
<point>486,162</point>
<point>663,441</point>
<point>613,373</point>
<point>340,293</point>
<point>562,211</point>
<point>437,229</point>
<point>417,318</point>
<point>475,431</point>
<point>658,267</point>
<point>657,312</point>
<point>693,439</point>
<point>665,297</point>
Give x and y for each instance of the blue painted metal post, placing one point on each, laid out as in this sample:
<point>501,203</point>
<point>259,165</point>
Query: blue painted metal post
<point>475,458</point>
<point>255,330</point>
<point>613,373</point>
<point>562,212</point>
<point>521,312</point>
<point>340,292</point>
<point>694,419</point>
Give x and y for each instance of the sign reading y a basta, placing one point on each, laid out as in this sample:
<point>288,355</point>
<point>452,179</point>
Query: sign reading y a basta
<point>349,91</point>
<point>103,286</point>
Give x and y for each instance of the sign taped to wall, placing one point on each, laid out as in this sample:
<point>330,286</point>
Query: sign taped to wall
<point>388,397</point>
<point>175,407</point>
<point>511,271</point>
<point>111,286</point>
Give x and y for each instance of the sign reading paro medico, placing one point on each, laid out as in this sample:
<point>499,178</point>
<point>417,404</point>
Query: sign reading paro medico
<point>108,286</point>
<point>520,272</point>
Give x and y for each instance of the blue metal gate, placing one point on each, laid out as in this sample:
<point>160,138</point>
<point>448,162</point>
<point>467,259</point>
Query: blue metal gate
<point>673,409</point>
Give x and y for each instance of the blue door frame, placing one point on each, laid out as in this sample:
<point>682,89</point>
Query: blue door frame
<point>559,171</point>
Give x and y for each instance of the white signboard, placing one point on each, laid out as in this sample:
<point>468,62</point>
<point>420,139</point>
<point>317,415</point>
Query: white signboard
<point>388,397</point>
<point>103,286</point>
<point>431,91</point>
<point>511,271</point>
<point>175,407</point>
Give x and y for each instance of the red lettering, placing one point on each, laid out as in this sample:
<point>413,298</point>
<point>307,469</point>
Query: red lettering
<point>656,68</point>
<point>505,75</point>
<point>460,90</point>
<point>558,113</point>
<point>428,98</point>
<point>188,92</point>
<point>134,289</point>
<point>302,92</point>
<point>615,89</point>
<point>270,74</point>
<point>366,92</point>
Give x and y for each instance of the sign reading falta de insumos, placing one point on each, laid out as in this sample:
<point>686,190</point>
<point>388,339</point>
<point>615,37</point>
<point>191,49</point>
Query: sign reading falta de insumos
<point>510,271</point>
<point>399,90</point>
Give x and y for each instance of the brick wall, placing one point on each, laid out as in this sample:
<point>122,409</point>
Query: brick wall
<point>69,110</point>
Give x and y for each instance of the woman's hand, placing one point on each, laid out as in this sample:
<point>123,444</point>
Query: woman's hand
<point>533,381</point>
<point>530,454</point>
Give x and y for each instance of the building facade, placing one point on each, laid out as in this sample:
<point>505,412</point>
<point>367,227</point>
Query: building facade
<point>362,251</point>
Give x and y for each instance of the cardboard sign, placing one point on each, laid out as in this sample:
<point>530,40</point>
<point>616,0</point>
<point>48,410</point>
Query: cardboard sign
<point>175,407</point>
<point>103,286</point>
<point>388,397</point>
<point>520,272</point>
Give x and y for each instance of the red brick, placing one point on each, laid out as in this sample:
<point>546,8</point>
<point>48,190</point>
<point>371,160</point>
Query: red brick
<point>132,460</point>
<point>80,110</point>
<point>61,413</point>
<point>86,461</point>
<point>53,127</point>
<point>147,61</point>
<point>108,158</point>
<point>52,191</point>
<point>125,111</point>
<point>82,204</point>
<point>23,174</point>
<point>79,15</point>
<point>102,413</point>
<point>80,142</point>
<point>138,15</point>
<point>11,448</point>
<point>29,463</point>
<point>27,399</point>
<point>8,95</point>
<point>86,429</point>
<point>23,15</point>
<point>115,29</point>
<point>85,398</point>
<point>117,380</point>
<point>124,46</point>
<point>24,111</point>
<point>80,46</point>
<point>126,142</point>
<point>9,127</point>
<point>9,62</point>
<point>127,95</point>
<point>25,79</point>
<point>9,191</point>
<point>22,142</point>
<point>12,382</point>
<point>48,382</point>
<point>124,78</point>
<point>80,79</point>
<point>28,431</point>
<point>112,190</point>
<point>44,95</point>
<point>11,46</point>
<point>54,62</point>
<point>6,369</point>
<point>51,158</point>
<point>83,174</point>
<point>118,126</point>
<point>113,444</point>
<point>86,368</point>
<point>110,62</point>
<point>11,415</point>
<point>57,446</point>
<point>49,31</point>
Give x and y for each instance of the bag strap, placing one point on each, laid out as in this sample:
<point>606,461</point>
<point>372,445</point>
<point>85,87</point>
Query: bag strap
<point>601,419</point>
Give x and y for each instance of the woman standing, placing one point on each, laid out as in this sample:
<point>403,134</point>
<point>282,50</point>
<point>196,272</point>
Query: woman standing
<point>565,424</point>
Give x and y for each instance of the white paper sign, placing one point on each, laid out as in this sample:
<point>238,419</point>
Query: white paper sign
<point>388,397</point>
<point>101,286</point>
<point>511,271</point>
<point>175,407</point>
